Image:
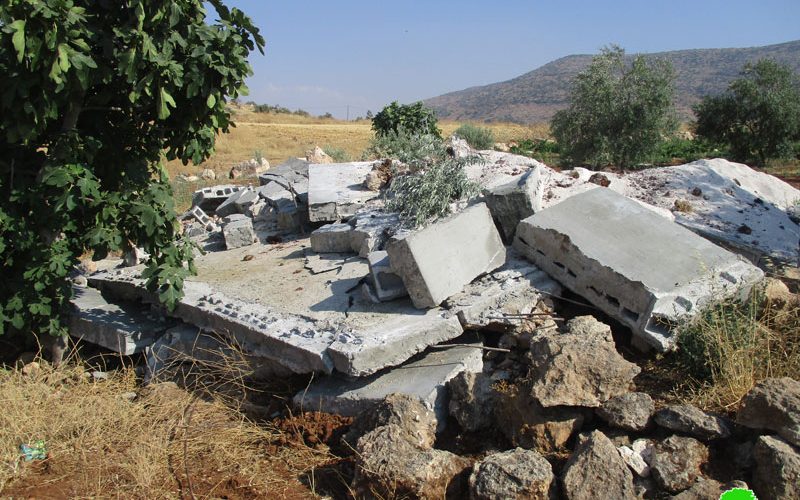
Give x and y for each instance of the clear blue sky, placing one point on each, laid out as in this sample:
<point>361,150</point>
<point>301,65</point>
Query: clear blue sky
<point>324,55</point>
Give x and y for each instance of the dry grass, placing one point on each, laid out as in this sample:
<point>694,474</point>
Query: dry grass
<point>166,443</point>
<point>733,346</point>
<point>281,136</point>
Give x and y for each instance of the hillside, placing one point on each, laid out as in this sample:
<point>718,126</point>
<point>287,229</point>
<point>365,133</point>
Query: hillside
<point>536,95</point>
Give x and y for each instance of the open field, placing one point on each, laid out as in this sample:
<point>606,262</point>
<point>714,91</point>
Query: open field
<point>280,136</point>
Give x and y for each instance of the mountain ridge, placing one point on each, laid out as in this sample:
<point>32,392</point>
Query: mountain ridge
<point>534,97</point>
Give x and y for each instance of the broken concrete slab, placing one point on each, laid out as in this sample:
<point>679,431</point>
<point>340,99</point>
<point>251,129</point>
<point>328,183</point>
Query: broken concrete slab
<point>516,200</point>
<point>391,341</point>
<point>248,197</point>
<point>126,330</point>
<point>323,263</point>
<point>335,190</point>
<point>497,299</point>
<point>228,207</point>
<point>239,233</point>
<point>385,283</point>
<point>643,270</point>
<point>332,238</point>
<point>424,378</point>
<point>371,230</point>
<point>211,197</point>
<point>437,261</point>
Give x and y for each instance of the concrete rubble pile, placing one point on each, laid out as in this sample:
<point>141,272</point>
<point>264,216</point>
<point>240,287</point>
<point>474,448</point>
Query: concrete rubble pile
<point>309,275</point>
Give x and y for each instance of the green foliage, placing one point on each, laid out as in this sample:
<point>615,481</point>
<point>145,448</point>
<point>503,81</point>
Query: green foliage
<point>415,150</point>
<point>758,118</point>
<point>618,112</point>
<point>413,118</point>
<point>477,137</point>
<point>539,149</point>
<point>681,150</point>
<point>428,193</point>
<point>94,96</point>
<point>338,154</point>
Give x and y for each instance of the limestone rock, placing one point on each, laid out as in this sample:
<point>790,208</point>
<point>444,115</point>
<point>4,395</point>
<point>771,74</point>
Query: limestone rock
<point>596,470</point>
<point>631,411</point>
<point>404,411</point>
<point>238,233</point>
<point>637,455</point>
<point>579,368</point>
<point>676,462</point>
<point>250,168</point>
<point>773,404</point>
<point>688,419</point>
<point>527,424</point>
<point>208,174</point>
<point>777,472</point>
<point>515,473</point>
<point>708,489</point>
<point>389,464</point>
<point>317,155</point>
<point>472,400</point>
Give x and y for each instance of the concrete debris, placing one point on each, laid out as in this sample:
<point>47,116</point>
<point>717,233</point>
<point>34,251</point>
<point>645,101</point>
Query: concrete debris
<point>439,260</point>
<point>390,465</point>
<point>596,470</point>
<point>773,404</point>
<point>245,200</point>
<point>371,230</point>
<point>238,233</point>
<point>249,168</point>
<point>472,400</point>
<point>336,191</point>
<point>519,199</point>
<point>777,471</point>
<point>228,207</point>
<point>323,263</point>
<point>690,420</point>
<point>579,368</point>
<point>423,379</point>
<point>631,411</point>
<point>502,298</point>
<point>639,268</point>
<point>403,410</point>
<point>391,341</point>
<point>206,221</point>
<point>676,461</point>
<point>126,330</point>
<point>516,473</point>
<point>211,197</point>
<point>332,238</point>
<point>386,285</point>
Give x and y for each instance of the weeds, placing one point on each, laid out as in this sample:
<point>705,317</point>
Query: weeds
<point>414,150</point>
<point>732,346</point>
<point>477,137</point>
<point>338,154</point>
<point>423,196</point>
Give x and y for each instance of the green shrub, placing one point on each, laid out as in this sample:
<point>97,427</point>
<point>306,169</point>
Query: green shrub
<point>338,154</point>
<point>423,196</point>
<point>544,150</point>
<point>415,150</point>
<point>679,149</point>
<point>619,111</point>
<point>477,137</point>
<point>413,118</point>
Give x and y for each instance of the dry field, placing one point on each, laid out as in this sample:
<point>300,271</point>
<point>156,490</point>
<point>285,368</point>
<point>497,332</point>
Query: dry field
<point>280,136</point>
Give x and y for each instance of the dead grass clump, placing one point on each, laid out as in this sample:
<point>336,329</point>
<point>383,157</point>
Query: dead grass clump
<point>733,345</point>
<point>682,206</point>
<point>165,442</point>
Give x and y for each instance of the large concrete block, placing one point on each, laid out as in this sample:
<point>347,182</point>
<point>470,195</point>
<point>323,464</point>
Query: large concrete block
<point>126,330</point>
<point>642,269</point>
<point>386,284</point>
<point>238,233</point>
<point>424,378</point>
<point>335,190</point>
<point>437,261</point>
<point>371,230</point>
<point>332,238</point>
<point>391,342</point>
<point>228,207</point>
<point>516,200</point>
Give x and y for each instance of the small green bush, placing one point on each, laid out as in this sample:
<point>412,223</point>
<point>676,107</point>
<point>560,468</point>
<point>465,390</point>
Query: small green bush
<point>414,118</point>
<point>338,154</point>
<point>679,149</point>
<point>477,137</point>
<point>415,150</point>
<point>543,150</point>
<point>423,196</point>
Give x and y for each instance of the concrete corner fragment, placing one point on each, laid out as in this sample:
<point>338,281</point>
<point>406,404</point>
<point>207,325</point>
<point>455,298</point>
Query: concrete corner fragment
<point>238,233</point>
<point>437,261</point>
<point>386,284</point>
<point>645,271</point>
<point>516,200</point>
<point>332,238</point>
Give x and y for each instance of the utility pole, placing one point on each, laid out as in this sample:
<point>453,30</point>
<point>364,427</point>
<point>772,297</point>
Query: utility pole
<point>348,112</point>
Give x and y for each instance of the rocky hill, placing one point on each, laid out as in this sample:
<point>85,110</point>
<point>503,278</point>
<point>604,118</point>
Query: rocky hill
<point>536,95</point>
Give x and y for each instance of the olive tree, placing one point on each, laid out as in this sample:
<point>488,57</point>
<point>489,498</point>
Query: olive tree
<point>95,96</point>
<point>758,117</point>
<point>412,118</point>
<point>620,110</point>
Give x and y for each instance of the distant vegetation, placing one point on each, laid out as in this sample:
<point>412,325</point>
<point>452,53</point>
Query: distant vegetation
<point>413,118</point>
<point>477,137</point>
<point>618,112</point>
<point>266,108</point>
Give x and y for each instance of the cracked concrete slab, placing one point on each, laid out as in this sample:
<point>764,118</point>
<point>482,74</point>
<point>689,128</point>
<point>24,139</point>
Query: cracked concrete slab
<point>645,271</point>
<point>336,191</point>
